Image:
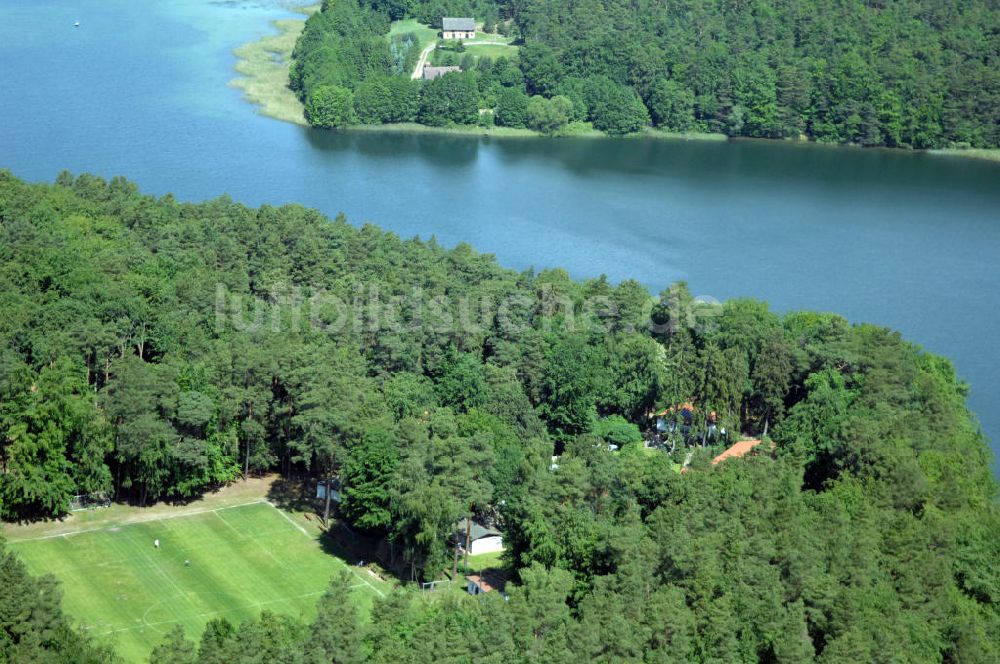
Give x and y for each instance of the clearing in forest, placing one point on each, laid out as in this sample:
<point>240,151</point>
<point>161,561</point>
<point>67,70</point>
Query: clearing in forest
<point>227,562</point>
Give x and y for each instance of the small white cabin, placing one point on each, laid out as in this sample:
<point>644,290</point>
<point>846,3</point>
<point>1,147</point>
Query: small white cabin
<point>481,538</point>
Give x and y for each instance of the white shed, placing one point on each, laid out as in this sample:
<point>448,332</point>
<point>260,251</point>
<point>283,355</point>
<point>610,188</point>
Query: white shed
<point>482,538</point>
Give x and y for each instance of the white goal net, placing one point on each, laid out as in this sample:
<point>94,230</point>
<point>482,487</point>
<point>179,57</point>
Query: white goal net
<point>89,501</point>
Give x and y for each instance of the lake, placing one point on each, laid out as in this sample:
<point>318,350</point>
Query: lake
<point>140,89</point>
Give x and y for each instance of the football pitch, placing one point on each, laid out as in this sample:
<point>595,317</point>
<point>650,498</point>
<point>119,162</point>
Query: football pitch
<point>230,562</point>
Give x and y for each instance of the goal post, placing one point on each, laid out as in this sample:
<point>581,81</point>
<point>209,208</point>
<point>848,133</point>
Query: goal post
<point>431,586</point>
<point>89,501</point>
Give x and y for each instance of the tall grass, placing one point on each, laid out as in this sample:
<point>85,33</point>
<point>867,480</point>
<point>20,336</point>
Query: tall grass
<point>263,66</point>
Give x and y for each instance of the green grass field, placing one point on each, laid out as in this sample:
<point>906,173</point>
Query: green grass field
<point>118,586</point>
<point>425,35</point>
<point>483,46</point>
<point>493,51</point>
<point>480,562</point>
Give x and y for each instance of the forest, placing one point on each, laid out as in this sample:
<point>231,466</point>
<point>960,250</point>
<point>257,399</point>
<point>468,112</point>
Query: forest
<point>902,73</point>
<point>153,349</point>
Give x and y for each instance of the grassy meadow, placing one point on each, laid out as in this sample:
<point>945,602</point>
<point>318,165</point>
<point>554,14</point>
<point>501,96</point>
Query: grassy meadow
<point>990,154</point>
<point>117,585</point>
<point>425,34</point>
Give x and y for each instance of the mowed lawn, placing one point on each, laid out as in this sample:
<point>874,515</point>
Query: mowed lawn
<point>424,34</point>
<point>242,559</point>
<point>493,51</point>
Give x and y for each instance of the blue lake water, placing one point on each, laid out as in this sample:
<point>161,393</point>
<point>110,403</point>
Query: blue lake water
<point>140,89</point>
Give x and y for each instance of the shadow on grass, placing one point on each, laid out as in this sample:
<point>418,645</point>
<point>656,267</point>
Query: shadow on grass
<point>373,552</point>
<point>297,494</point>
<point>492,569</point>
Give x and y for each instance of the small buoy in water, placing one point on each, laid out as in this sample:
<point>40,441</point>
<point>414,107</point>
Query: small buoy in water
<point>76,25</point>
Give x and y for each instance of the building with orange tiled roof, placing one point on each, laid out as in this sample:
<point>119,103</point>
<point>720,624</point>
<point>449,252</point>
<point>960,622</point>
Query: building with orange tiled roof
<point>735,451</point>
<point>477,585</point>
<point>680,408</point>
<point>739,449</point>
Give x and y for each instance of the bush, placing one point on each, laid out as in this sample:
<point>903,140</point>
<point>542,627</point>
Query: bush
<point>671,105</point>
<point>405,99</point>
<point>615,108</point>
<point>575,88</point>
<point>452,98</point>
<point>549,115</point>
<point>511,76</point>
<point>542,69</point>
<point>330,106</point>
<point>373,101</point>
<point>512,108</point>
<point>486,119</point>
<point>381,100</point>
<point>616,430</point>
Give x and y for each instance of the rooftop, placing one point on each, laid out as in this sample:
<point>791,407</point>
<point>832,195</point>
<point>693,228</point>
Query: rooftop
<point>478,530</point>
<point>430,73</point>
<point>463,24</point>
<point>739,449</point>
<point>687,405</point>
<point>489,580</point>
<point>481,582</point>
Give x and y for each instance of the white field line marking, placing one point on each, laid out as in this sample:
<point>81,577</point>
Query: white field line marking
<point>45,537</point>
<point>289,520</point>
<point>366,582</point>
<point>213,613</point>
<point>252,539</point>
<point>231,527</point>
<point>130,560</point>
<point>169,578</point>
<point>207,511</point>
<point>304,532</point>
<point>137,521</point>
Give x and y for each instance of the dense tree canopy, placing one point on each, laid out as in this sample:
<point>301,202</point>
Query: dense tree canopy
<point>907,73</point>
<point>32,625</point>
<point>919,73</point>
<point>150,349</point>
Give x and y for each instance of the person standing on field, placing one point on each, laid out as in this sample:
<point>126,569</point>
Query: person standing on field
<point>156,543</point>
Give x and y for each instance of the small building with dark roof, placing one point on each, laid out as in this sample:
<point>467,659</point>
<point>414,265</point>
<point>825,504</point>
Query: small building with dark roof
<point>334,490</point>
<point>458,28</point>
<point>430,73</point>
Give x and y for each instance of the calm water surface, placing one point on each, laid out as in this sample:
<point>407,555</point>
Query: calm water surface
<point>139,89</point>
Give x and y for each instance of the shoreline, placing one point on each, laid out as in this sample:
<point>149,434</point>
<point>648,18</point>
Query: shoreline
<point>580,131</point>
<point>984,154</point>
<point>263,67</point>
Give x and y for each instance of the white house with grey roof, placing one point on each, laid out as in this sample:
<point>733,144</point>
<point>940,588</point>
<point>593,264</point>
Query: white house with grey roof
<point>482,539</point>
<point>458,28</point>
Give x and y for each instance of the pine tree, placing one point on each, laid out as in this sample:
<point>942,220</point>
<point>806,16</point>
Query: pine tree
<point>174,648</point>
<point>335,636</point>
